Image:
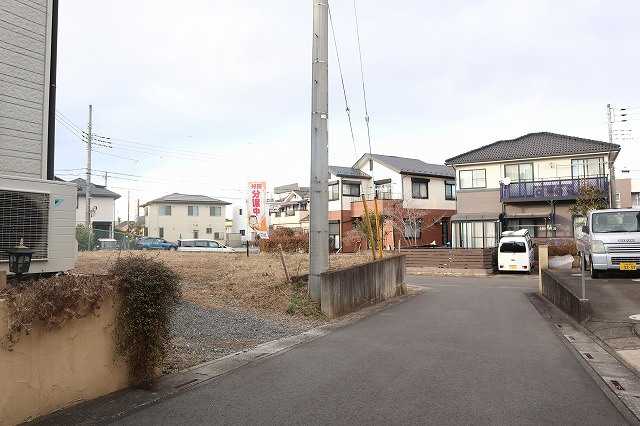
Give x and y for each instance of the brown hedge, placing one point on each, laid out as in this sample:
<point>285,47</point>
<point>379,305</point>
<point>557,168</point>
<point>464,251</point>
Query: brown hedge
<point>290,244</point>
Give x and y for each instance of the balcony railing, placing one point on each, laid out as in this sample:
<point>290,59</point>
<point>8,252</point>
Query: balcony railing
<point>560,189</point>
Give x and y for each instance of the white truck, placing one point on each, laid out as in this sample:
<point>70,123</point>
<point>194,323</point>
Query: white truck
<point>610,240</point>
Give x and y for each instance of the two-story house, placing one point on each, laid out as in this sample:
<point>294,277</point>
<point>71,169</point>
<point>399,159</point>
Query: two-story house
<point>289,207</point>
<point>526,183</point>
<point>416,198</point>
<point>103,203</point>
<point>178,216</point>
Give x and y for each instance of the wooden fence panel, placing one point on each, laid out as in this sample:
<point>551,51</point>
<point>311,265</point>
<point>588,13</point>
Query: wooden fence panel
<point>451,258</point>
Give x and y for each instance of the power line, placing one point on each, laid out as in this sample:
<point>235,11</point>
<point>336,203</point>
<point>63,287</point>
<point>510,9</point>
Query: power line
<point>344,91</point>
<point>364,92</point>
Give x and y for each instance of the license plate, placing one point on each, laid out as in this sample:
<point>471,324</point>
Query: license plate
<point>627,266</point>
<point>515,267</point>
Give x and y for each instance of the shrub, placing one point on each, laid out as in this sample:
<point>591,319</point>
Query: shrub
<point>562,247</point>
<point>290,244</point>
<point>149,291</point>
<point>53,301</point>
<point>82,236</point>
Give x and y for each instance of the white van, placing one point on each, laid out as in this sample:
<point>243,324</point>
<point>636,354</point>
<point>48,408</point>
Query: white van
<point>611,240</point>
<point>515,252</point>
<point>203,245</point>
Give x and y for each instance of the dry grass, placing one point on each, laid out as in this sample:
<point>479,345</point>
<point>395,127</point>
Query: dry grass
<point>228,280</point>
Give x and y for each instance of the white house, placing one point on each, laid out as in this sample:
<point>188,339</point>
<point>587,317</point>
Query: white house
<point>103,204</point>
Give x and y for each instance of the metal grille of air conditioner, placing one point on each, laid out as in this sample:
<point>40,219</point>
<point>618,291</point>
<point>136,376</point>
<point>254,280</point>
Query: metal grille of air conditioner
<point>24,215</point>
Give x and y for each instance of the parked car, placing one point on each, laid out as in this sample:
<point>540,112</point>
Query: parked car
<point>154,243</point>
<point>611,240</point>
<point>515,251</point>
<point>203,245</point>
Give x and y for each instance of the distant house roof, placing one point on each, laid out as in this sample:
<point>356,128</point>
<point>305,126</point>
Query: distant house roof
<point>96,190</point>
<point>286,188</point>
<point>533,145</point>
<point>176,198</point>
<point>348,172</point>
<point>411,166</point>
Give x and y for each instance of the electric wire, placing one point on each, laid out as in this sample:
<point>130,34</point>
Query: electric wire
<point>344,90</point>
<point>364,92</point>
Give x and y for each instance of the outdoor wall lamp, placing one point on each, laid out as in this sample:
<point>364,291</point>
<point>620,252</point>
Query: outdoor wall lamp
<point>20,259</point>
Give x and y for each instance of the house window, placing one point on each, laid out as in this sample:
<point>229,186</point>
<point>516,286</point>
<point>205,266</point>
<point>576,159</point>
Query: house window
<point>146,211</point>
<point>635,198</point>
<point>475,234</point>
<point>420,188</point>
<point>209,230</point>
<point>215,211</point>
<point>161,232</point>
<point>164,210</point>
<point>519,172</point>
<point>351,189</point>
<point>473,179</point>
<point>333,191</point>
<point>193,211</point>
<point>587,167</point>
<point>240,212</point>
<point>413,228</point>
<point>196,233</point>
<point>217,236</point>
<point>242,232</point>
<point>449,189</point>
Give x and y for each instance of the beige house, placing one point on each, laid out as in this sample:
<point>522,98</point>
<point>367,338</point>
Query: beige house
<point>528,182</point>
<point>289,207</point>
<point>178,216</point>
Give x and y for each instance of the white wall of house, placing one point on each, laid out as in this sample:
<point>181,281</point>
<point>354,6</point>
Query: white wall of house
<point>239,217</point>
<point>181,224</point>
<point>436,200</point>
<point>104,211</point>
<point>24,91</point>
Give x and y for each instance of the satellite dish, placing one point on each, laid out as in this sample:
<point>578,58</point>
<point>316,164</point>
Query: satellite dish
<point>506,181</point>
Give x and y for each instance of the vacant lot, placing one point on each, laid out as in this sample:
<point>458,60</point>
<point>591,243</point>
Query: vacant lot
<point>231,301</point>
<point>228,280</point>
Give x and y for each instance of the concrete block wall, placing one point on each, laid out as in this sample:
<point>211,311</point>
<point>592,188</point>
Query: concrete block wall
<point>349,289</point>
<point>563,297</point>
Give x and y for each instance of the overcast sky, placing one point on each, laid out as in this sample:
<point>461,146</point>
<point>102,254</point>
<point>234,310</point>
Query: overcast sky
<point>201,96</point>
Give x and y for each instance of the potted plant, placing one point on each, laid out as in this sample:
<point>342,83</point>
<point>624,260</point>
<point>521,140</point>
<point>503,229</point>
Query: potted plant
<point>563,253</point>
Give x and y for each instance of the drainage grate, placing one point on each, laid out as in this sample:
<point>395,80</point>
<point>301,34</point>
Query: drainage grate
<point>186,384</point>
<point>588,355</point>
<point>617,385</point>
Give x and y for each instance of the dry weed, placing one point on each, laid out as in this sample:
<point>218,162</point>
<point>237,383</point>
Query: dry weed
<point>228,280</point>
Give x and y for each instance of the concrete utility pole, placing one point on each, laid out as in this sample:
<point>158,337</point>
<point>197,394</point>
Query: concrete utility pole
<point>612,177</point>
<point>319,209</point>
<point>87,219</point>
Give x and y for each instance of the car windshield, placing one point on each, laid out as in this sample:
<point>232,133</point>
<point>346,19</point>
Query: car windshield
<point>616,222</point>
<point>513,247</point>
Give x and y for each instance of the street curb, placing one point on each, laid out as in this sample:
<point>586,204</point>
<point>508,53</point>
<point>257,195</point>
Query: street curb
<point>619,381</point>
<point>119,404</point>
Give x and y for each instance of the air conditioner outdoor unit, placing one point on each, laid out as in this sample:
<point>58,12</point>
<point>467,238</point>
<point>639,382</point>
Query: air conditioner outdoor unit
<point>43,214</point>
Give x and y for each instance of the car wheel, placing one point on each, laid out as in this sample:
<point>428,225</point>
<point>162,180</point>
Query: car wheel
<point>594,272</point>
<point>174,248</point>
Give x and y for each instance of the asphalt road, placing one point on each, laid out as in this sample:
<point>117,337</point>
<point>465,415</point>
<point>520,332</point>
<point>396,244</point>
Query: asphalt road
<point>463,351</point>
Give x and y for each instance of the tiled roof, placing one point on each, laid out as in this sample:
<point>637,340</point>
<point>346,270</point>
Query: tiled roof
<point>348,172</point>
<point>413,166</point>
<point>96,190</point>
<point>185,199</point>
<point>533,145</point>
